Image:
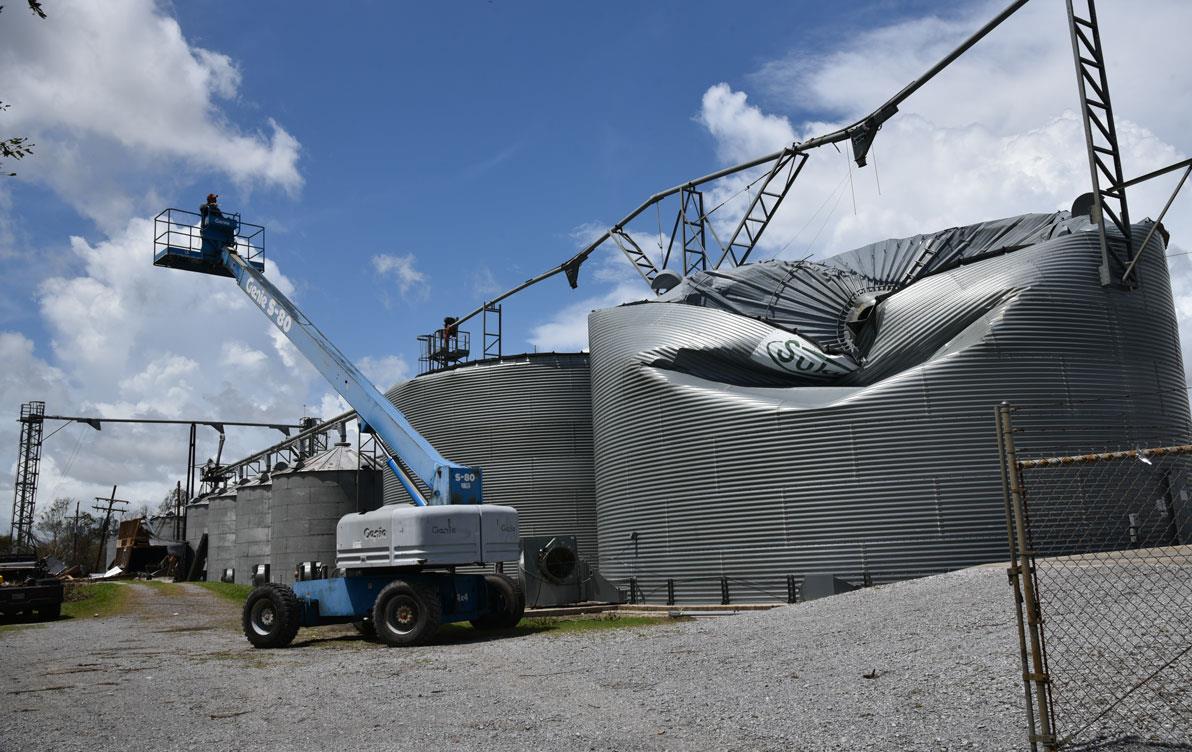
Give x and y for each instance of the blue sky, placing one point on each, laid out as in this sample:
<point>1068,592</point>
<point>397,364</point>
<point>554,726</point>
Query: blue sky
<point>475,136</point>
<point>410,159</point>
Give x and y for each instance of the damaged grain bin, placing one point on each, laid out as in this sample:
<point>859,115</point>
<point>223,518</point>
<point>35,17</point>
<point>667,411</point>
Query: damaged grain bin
<point>836,416</point>
<point>525,419</point>
<point>309,499</point>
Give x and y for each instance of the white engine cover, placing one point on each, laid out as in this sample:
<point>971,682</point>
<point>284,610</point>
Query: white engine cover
<point>405,536</point>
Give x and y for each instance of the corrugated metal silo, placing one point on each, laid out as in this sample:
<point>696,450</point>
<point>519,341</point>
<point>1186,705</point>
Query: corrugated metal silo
<point>526,421</point>
<point>252,526</point>
<point>221,532</point>
<point>196,521</point>
<point>309,499</point>
<point>726,446</point>
<point>196,526</point>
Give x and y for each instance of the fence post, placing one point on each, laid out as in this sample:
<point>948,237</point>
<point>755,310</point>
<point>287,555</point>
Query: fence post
<point>1021,574</point>
<point>670,592</point>
<point>724,591</point>
<point>790,588</point>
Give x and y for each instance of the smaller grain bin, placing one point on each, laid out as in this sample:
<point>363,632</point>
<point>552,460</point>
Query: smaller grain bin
<point>221,532</point>
<point>196,528</point>
<point>252,526</point>
<point>309,498</point>
<point>196,521</point>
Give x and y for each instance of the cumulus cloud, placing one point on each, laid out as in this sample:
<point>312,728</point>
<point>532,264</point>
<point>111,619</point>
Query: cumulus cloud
<point>410,281</point>
<point>127,339</point>
<point>111,90</point>
<point>995,135</point>
<point>607,271</point>
<point>385,371</point>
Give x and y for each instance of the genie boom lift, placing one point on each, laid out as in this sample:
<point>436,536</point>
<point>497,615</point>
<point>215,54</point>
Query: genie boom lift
<point>395,566</point>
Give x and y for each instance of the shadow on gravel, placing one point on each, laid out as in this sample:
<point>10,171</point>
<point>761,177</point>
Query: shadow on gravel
<point>1127,744</point>
<point>448,635</point>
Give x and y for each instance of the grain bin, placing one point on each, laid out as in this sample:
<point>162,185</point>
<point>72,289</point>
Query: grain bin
<point>196,521</point>
<point>526,421</point>
<point>309,498</point>
<point>252,526</point>
<point>835,417</point>
<point>221,532</point>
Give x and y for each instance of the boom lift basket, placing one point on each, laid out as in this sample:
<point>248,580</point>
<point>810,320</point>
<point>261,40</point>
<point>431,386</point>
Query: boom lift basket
<point>183,240</point>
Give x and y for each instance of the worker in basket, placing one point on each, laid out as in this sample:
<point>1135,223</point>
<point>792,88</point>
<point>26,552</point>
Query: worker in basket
<point>222,235</point>
<point>210,209</point>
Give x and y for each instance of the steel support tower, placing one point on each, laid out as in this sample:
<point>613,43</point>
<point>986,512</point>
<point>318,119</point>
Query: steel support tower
<point>28,468</point>
<point>1100,135</point>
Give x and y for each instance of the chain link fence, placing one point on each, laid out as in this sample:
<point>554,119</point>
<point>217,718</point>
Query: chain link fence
<point>1101,568</point>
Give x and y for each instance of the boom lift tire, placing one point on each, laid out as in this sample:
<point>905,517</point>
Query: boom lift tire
<point>50,612</point>
<point>404,615</point>
<point>271,616</point>
<point>510,602</point>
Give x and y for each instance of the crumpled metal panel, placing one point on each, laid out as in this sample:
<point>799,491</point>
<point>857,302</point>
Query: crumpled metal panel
<point>711,463</point>
<point>808,297</point>
<point>526,421</point>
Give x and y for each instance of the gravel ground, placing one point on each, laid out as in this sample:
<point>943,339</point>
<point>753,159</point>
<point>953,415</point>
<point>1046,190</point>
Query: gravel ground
<point>175,673</point>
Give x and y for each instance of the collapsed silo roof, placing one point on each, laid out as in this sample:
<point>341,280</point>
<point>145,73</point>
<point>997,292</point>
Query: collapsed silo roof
<point>851,319</point>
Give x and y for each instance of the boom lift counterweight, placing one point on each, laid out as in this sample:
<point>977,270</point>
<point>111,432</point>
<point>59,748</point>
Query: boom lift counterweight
<point>398,561</point>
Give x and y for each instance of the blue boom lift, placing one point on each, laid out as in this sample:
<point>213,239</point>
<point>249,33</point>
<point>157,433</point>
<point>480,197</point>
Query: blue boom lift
<point>395,566</point>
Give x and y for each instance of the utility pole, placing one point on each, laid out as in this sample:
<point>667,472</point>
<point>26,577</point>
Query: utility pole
<point>103,531</point>
<point>74,556</point>
<point>178,532</point>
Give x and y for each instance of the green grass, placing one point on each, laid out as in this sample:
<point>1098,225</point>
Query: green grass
<point>85,600</point>
<point>228,591</point>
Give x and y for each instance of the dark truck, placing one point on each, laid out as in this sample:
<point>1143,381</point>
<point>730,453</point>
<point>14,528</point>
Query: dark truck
<point>26,588</point>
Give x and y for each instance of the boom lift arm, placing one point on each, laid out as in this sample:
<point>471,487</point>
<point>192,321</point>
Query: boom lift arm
<point>449,482</point>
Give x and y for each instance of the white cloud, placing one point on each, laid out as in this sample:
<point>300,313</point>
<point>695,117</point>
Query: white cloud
<point>567,330</point>
<point>410,281</point>
<point>742,131</point>
<point>994,135</point>
<point>131,340</point>
<point>113,90</point>
<point>385,371</point>
<point>483,282</point>
<point>240,357</point>
<point>606,270</point>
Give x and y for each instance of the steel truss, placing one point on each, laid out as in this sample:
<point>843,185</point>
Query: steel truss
<point>28,470</point>
<point>1100,134</point>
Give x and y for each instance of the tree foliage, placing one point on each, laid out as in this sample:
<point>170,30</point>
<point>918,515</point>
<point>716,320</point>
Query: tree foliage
<point>63,536</point>
<point>18,147</point>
